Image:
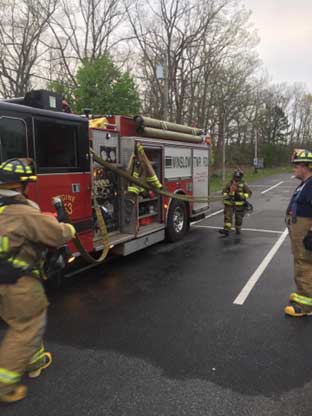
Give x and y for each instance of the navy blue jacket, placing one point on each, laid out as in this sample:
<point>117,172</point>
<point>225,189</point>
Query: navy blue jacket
<point>300,204</point>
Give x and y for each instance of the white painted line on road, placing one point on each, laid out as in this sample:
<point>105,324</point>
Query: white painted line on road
<point>262,231</point>
<point>215,213</point>
<point>263,186</point>
<point>261,268</point>
<point>208,216</point>
<point>196,222</point>
<point>272,187</point>
<point>243,229</point>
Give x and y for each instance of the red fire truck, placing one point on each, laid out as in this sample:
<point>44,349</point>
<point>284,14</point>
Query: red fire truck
<point>36,127</point>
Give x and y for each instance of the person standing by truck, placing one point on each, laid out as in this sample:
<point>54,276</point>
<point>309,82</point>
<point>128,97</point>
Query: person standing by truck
<point>235,195</point>
<point>299,222</point>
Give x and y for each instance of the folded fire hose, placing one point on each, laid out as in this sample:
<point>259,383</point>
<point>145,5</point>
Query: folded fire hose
<point>100,220</point>
<point>145,185</point>
<point>59,205</point>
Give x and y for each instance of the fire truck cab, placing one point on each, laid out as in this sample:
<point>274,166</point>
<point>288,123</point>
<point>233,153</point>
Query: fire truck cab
<point>59,143</point>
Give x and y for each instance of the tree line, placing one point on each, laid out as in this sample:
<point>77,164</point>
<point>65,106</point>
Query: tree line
<point>106,54</point>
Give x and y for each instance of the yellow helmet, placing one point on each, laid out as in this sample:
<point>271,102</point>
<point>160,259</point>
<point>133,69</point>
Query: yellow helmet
<point>302,156</point>
<point>14,171</point>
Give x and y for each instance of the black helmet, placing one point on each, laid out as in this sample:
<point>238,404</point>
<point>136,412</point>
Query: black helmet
<point>238,174</point>
<point>17,171</point>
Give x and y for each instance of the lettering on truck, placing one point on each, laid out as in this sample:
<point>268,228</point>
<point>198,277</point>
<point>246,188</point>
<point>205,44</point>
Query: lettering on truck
<point>178,162</point>
<point>68,202</point>
<point>199,161</point>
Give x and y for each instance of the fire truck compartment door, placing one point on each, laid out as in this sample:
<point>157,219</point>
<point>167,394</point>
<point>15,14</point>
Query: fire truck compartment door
<point>105,144</point>
<point>200,177</point>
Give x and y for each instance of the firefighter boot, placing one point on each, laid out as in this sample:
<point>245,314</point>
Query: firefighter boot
<point>34,369</point>
<point>18,392</point>
<point>224,232</point>
<point>296,310</point>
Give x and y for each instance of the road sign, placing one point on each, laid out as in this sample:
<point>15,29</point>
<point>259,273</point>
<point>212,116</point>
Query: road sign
<point>258,163</point>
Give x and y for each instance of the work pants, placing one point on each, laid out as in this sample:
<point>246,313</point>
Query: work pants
<point>229,211</point>
<point>23,306</point>
<point>302,261</point>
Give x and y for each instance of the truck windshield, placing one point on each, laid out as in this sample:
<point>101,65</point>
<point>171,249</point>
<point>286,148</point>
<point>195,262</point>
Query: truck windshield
<point>12,138</point>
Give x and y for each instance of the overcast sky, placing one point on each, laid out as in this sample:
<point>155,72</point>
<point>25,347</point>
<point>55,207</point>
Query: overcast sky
<point>285,30</point>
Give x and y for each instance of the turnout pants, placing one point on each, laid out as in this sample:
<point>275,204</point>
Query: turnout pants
<point>238,212</point>
<point>23,306</point>
<point>302,262</point>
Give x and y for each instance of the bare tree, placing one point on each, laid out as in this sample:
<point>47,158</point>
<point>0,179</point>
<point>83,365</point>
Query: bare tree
<point>191,39</point>
<point>23,25</point>
<point>300,116</point>
<point>84,29</point>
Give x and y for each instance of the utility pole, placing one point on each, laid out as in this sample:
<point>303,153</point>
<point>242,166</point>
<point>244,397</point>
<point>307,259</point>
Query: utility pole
<point>166,89</point>
<point>223,150</point>
<point>256,151</point>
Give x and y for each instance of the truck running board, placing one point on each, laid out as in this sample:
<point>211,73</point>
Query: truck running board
<point>132,246</point>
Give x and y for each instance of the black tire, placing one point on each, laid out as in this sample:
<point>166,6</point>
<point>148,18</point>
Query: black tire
<point>177,221</point>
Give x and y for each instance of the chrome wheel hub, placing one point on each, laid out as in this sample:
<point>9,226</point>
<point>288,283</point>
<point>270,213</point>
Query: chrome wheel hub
<point>178,219</point>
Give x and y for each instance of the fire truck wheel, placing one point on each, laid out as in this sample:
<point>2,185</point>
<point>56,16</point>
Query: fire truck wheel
<point>177,222</point>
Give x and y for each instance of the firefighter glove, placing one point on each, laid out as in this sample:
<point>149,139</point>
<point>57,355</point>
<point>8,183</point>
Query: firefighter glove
<point>307,241</point>
<point>72,230</point>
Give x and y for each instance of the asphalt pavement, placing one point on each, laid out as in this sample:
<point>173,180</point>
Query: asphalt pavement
<point>191,328</point>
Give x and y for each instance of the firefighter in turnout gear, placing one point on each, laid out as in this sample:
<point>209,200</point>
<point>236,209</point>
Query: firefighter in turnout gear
<point>235,196</point>
<point>299,222</point>
<point>25,233</point>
